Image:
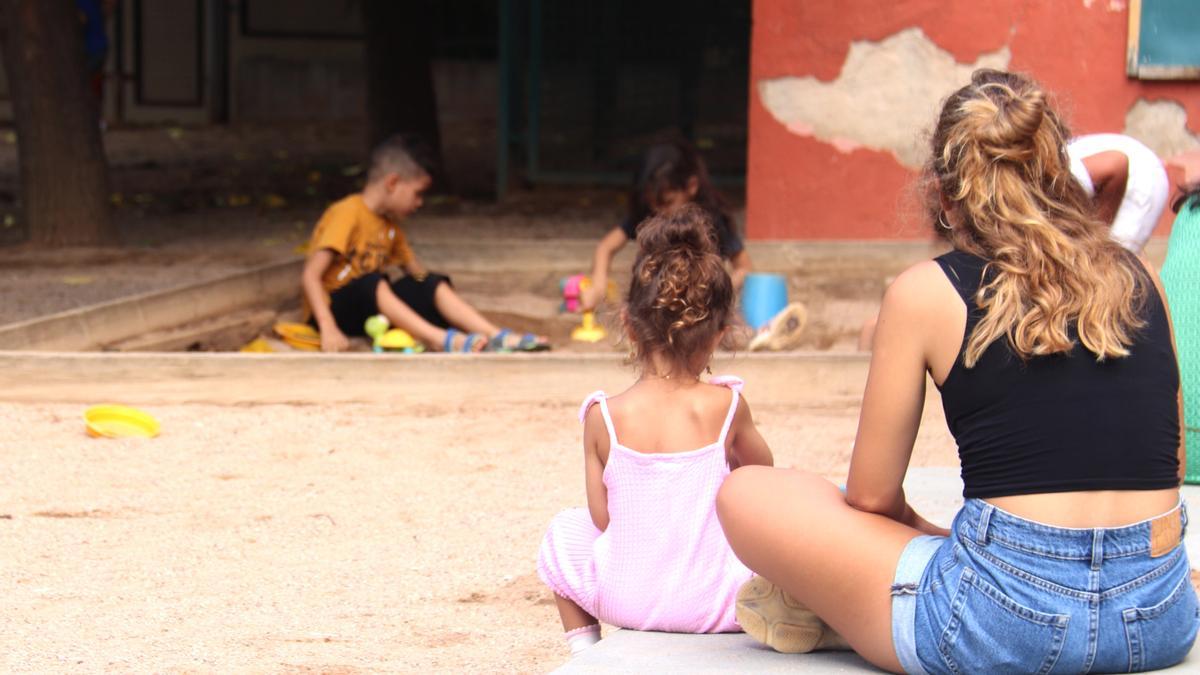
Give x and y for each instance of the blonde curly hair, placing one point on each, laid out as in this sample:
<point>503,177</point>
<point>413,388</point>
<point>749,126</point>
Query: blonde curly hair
<point>1000,164</point>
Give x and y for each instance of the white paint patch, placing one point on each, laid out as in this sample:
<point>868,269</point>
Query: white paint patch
<point>885,98</point>
<point>1162,126</point>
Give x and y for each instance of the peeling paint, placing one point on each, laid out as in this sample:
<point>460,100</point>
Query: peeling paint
<point>886,92</point>
<point>1162,126</point>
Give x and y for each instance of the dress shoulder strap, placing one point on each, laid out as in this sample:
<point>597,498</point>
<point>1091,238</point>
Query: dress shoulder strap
<point>601,398</point>
<point>735,385</point>
<point>732,381</point>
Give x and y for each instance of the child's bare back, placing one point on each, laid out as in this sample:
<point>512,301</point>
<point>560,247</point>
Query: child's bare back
<point>656,416</point>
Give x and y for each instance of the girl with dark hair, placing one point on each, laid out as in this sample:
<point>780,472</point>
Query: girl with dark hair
<point>648,552</point>
<point>672,174</point>
<point>1181,279</point>
<point>1052,349</point>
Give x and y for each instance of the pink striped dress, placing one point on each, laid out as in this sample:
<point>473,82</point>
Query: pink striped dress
<point>663,563</point>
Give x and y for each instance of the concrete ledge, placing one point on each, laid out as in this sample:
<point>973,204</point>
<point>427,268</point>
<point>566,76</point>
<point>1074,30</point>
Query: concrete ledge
<point>631,651</point>
<point>571,256</point>
<point>97,326</point>
<point>800,378</point>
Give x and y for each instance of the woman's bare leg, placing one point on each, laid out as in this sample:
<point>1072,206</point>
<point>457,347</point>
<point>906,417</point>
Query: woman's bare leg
<point>795,529</point>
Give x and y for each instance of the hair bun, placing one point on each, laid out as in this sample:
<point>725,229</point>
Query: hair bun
<point>688,227</point>
<point>1008,114</point>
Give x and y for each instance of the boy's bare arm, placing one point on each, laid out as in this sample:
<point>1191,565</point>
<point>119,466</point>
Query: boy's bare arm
<point>332,338</point>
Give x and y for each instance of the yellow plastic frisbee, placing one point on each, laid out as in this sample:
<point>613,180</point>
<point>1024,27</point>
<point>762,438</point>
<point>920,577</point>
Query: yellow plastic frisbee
<point>299,335</point>
<point>118,421</point>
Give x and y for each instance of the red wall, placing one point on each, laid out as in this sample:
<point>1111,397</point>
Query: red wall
<point>800,187</point>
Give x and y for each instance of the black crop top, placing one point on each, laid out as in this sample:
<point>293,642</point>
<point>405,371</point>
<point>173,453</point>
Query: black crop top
<point>1062,422</point>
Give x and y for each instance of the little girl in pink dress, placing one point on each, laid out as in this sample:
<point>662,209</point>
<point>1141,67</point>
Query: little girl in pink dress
<point>648,552</point>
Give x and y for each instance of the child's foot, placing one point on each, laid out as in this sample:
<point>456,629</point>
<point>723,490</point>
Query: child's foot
<point>582,638</point>
<point>508,341</point>
<point>458,341</point>
<point>771,616</point>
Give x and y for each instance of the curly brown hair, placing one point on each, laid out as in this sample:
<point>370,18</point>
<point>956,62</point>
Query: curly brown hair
<point>680,298</point>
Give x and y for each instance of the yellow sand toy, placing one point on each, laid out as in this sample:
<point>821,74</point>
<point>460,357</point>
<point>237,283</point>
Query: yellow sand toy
<point>118,421</point>
<point>393,340</point>
<point>299,335</point>
<point>572,288</point>
<point>589,331</point>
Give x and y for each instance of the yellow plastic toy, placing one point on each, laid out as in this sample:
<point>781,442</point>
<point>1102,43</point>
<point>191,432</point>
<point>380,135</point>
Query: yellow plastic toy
<point>299,335</point>
<point>257,346</point>
<point>589,330</point>
<point>393,340</point>
<point>118,421</point>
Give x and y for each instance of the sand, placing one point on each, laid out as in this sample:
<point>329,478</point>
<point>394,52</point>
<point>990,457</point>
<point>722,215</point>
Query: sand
<point>331,536</point>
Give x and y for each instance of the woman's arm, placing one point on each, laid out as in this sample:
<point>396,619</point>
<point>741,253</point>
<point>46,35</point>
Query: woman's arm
<point>601,261</point>
<point>595,453</point>
<point>747,446</point>
<point>916,307</point>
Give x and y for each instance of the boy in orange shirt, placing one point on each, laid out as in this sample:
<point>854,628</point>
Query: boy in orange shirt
<point>344,281</point>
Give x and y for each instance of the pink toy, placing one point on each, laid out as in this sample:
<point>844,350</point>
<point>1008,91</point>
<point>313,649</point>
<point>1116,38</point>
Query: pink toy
<point>571,287</point>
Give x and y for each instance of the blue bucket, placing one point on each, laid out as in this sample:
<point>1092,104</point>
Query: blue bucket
<point>763,296</point>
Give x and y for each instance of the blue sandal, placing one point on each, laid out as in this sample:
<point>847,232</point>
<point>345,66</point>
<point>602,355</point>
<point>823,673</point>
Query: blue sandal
<point>472,338</point>
<point>528,343</point>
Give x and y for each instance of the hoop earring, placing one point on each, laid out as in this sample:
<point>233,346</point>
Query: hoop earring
<point>942,223</point>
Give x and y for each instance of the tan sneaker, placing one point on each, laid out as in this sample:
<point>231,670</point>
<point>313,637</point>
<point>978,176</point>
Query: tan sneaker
<point>771,616</point>
<point>785,331</point>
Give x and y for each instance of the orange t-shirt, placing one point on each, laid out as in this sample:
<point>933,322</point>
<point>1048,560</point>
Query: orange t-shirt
<point>362,240</point>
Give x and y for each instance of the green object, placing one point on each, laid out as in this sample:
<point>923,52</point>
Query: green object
<point>1181,280</point>
<point>376,326</point>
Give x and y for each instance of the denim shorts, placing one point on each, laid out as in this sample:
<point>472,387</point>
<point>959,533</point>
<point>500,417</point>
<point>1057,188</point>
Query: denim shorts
<point>1007,595</point>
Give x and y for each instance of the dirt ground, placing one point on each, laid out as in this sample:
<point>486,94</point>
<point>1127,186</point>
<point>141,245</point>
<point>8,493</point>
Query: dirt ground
<point>311,537</point>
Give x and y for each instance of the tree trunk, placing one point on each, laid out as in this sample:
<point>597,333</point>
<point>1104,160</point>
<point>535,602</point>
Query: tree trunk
<point>64,177</point>
<point>399,58</point>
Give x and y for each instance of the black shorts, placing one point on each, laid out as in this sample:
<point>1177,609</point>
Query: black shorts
<point>354,303</point>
